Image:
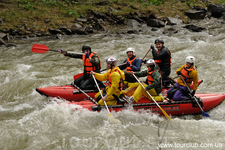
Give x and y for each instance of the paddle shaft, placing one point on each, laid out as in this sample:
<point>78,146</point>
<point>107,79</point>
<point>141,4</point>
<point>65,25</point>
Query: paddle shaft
<point>85,94</point>
<point>101,94</point>
<point>146,54</point>
<point>190,93</point>
<point>166,115</point>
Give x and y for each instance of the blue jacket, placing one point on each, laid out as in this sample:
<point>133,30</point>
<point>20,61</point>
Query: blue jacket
<point>136,64</point>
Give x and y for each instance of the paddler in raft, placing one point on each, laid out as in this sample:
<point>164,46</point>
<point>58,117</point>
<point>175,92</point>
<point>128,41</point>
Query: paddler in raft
<point>163,58</point>
<point>115,77</point>
<point>132,63</point>
<point>153,83</point>
<point>91,62</point>
<point>189,73</point>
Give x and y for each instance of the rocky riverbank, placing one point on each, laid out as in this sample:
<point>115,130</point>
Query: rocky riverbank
<point>99,22</point>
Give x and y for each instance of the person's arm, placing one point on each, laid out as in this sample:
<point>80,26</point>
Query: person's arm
<point>101,77</point>
<point>141,73</point>
<point>156,82</point>
<point>72,55</point>
<point>94,59</point>
<point>122,67</point>
<point>195,79</point>
<point>136,65</point>
<point>115,77</point>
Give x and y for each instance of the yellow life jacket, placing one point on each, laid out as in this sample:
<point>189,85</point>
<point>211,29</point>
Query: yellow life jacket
<point>185,74</point>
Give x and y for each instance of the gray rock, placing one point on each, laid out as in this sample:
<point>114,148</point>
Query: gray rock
<point>173,21</point>
<point>47,20</point>
<point>217,10</point>
<point>77,25</point>
<point>194,28</point>
<point>80,31</point>
<point>155,23</point>
<point>83,20</point>
<point>1,21</point>
<point>133,23</point>
<point>110,9</point>
<point>54,31</point>
<point>195,14</point>
<point>2,35</point>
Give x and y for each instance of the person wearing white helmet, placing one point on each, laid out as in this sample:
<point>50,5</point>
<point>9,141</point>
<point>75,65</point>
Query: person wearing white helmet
<point>115,77</point>
<point>163,59</point>
<point>153,82</point>
<point>189,73</point>
<point>132,63</point>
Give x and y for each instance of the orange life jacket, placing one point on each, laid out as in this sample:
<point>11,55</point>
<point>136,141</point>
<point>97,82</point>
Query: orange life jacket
<point>130,61</point>
<point>88,66</point>
<point>159,61</point>
<point>110,80</point>
<point>185,73</point>
<point>149,79</point>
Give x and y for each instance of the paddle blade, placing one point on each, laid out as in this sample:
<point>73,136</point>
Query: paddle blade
<point>205,114</point>
<point>39,48</point>
<point>166,115</point>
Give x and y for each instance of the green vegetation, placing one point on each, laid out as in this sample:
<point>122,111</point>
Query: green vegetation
<point>63,12</point>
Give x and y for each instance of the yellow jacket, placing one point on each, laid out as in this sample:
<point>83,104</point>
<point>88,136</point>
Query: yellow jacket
<point>192,74</point>
<point>115,77</point>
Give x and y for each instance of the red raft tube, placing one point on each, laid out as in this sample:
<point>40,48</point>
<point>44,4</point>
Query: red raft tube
<point>173,108</point>
<point>71,93</point>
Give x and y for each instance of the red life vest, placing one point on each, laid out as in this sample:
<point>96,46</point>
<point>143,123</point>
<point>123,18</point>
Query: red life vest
<point>110,80</point>
<point>159,61</point>
<point>88,66</point>
<point>130,61</point>
<point>185,73</point>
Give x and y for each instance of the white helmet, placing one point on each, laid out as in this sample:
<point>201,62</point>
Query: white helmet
<point>111,61</point>
<point>150,62</point>
<point>190,59</point>
<point>131,49</point>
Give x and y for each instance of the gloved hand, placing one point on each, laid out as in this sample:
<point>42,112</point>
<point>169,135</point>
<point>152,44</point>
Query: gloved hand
<point>87,55</point>
<point>128,63</point>
<point>60,50</point>
<point>144,61</point>
<point>179,73</point>
<point>193,93</point>
<point>152,47</point>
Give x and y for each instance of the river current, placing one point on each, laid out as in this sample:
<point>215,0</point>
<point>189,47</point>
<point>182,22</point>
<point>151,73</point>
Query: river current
<point>29,121</point>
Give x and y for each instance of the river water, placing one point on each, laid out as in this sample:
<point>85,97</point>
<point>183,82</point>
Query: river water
<point>29,121</point>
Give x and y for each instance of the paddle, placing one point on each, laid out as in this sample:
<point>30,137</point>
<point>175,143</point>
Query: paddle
<point>146,54</point>
<point>117,121</point>
<point>203,113</point>
<point>85,94</point>
<point>166,115</point>
<point>39,48</point>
